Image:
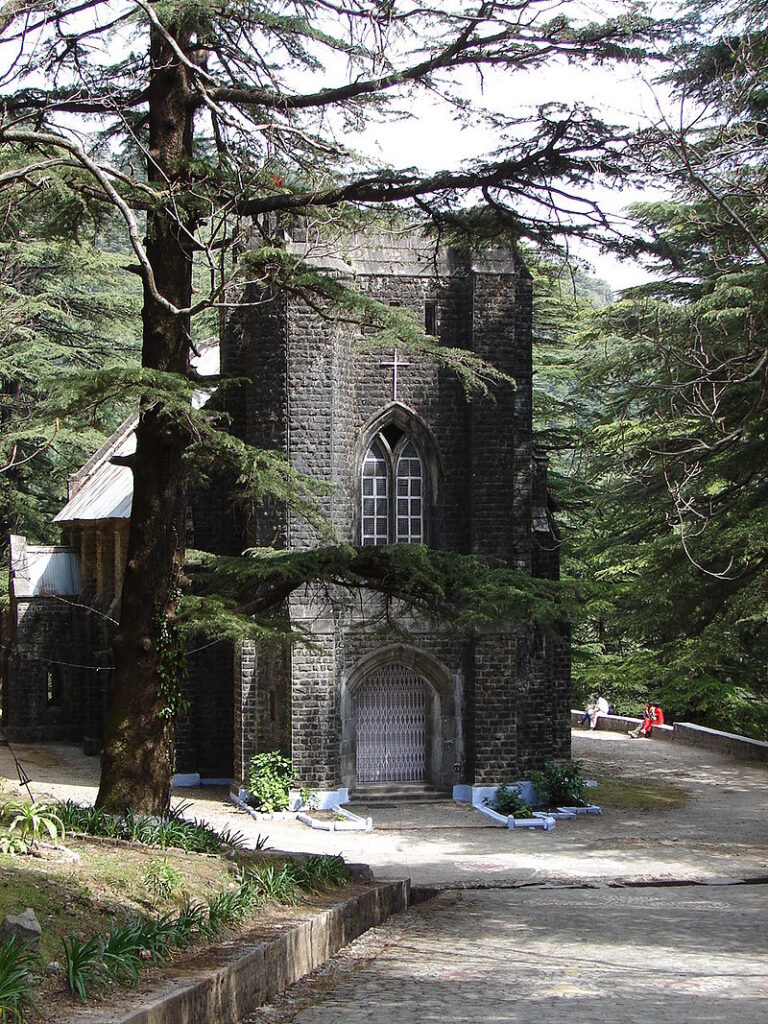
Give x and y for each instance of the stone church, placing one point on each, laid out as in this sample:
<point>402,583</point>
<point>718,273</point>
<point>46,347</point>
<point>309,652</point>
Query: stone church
<point>411,460</point>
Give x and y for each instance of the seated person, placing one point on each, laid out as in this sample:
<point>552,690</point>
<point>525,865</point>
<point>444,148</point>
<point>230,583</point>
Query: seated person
<point>599,706</point>
<point>652,715</point>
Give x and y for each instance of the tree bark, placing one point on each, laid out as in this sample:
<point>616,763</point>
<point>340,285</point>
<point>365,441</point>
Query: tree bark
<point>137,763</point>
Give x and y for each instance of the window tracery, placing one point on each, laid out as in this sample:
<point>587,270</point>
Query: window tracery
<point>392,491</point>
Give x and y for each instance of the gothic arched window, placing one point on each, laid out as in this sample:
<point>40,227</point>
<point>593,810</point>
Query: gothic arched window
<point>392,491</point>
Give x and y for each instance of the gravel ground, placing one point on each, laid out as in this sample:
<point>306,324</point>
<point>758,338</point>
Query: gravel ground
<point>721,830</point>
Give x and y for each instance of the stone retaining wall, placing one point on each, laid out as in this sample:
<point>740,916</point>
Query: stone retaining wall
<point>259,972</point>
<point>724,742</point>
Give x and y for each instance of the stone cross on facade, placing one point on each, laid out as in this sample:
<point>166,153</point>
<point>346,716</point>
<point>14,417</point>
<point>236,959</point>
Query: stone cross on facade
<point>395,362</point>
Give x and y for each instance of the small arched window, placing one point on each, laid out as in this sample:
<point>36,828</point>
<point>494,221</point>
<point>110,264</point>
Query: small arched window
<point>392,492</point>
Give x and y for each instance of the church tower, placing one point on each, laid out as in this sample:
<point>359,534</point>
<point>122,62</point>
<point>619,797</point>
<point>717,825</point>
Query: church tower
<point>410,460</point>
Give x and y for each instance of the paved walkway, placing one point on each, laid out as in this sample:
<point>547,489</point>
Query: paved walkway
<point>514,935</point>
<point>670,812</point>
<point>550,956</point>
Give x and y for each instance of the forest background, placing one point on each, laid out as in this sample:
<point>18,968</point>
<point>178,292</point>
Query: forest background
<point>650,405</point>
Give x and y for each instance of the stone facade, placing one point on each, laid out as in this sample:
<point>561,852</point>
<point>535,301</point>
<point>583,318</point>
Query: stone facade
<point>319,389</point>
<point>496,706</point>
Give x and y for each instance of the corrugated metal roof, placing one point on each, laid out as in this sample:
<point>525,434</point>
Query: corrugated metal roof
<point>48,570</point>
<point>107,493</point>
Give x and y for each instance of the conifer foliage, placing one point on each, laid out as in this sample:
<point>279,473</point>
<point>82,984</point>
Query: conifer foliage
<point>672,405</point>
<point>194,119</point>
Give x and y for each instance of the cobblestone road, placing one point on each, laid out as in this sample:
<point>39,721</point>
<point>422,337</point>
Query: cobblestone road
<point>670,955</point>
<point>667,954</point>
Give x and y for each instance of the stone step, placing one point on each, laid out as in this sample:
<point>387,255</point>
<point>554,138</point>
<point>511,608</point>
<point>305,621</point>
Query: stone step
<point>377,794</point>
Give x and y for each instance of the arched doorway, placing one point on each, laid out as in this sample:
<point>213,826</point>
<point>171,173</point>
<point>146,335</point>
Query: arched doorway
<point>392,703</point>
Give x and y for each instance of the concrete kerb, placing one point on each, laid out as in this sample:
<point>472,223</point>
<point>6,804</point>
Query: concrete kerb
<point>482,797</point>
<point>353,823</point>
<point>259,972</point>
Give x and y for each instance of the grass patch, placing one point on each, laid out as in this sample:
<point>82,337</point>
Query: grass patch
<point>122,907</point>
<point>629,794</point>
<point>108,881</point>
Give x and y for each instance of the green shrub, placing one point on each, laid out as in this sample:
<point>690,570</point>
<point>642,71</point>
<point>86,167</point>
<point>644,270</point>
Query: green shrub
<point>509,801</point>
<point>16,963</point>
<point>162,879</point>
<point>270,778</point>
<point>560,784</point>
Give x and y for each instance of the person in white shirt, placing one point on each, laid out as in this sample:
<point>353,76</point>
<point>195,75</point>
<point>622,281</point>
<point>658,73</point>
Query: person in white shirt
<point>598,707</point>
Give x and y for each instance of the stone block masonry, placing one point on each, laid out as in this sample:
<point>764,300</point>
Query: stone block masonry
<point>496,706</point>
<point>317,390</point>
<point>257,972</point>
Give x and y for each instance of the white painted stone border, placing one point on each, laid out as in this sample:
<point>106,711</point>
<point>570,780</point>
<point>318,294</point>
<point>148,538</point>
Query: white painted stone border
<point>262,815</point>
<point>477,795</point>
<point>327,799</point>
<point>354,822</point>
<point>323,799</point>
<point>545,821</point>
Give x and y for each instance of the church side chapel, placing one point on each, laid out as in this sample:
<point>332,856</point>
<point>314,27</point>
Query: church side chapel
<point>411,461</point>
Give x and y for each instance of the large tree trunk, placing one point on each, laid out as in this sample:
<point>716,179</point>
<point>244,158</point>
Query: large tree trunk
<point>137,764</point>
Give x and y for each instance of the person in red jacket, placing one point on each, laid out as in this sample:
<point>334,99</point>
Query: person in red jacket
<point>652,715</point>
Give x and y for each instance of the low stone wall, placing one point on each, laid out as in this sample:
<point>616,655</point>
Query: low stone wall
<point>687,732</point>
<point>623,723</point>
<point>259,972</point>
<point>724,742</point>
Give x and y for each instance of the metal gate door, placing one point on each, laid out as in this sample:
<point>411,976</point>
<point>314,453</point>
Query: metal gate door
<point>391,735</point>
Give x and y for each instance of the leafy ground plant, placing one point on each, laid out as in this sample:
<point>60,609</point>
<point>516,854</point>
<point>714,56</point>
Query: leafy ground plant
<point>190,923</point>
<point>509,801</point>
<point>276,882</point>
<point>16,964</point>
<point>84,965</point>
<point>171,831</point>
<point>162,879</point>
<point>270,777</point>
<point>122,951</point>
<point>15,846</point>
<point>560,785</point>
<point>32,821</point>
